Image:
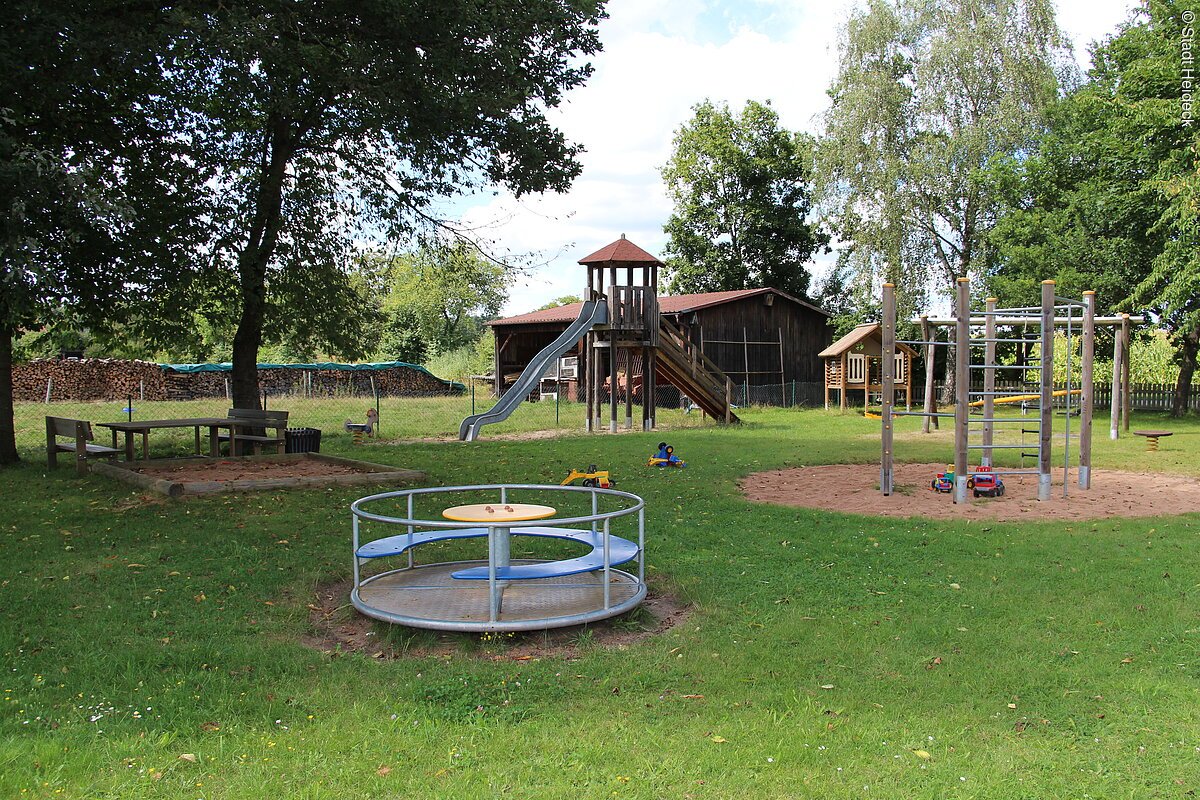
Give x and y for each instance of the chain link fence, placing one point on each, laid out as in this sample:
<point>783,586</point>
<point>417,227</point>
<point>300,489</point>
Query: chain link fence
<point>333,401</point>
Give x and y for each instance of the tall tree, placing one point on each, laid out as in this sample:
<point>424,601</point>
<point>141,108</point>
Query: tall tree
<point>437,299</point>
<point>325,125</point>
<point>927,94</point>
<point>742,191</point>
<point>99,208</point>
<point>1108,200</point>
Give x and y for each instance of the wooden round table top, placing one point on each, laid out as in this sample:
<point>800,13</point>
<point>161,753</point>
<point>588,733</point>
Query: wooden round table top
<point>1153,434</point>
<point>498,512</point>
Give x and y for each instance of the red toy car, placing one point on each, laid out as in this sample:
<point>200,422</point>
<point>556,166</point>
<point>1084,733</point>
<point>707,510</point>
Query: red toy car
<point>987,484</point>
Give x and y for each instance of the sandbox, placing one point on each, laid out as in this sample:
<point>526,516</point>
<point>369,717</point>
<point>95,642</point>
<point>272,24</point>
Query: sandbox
<point>176,477</point>
<point>854,489</point>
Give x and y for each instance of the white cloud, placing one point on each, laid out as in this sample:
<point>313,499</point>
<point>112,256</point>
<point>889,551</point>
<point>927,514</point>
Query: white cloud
<point>660,59</point>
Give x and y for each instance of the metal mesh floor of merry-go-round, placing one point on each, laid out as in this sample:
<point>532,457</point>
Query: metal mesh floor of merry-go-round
<point>428,594</point>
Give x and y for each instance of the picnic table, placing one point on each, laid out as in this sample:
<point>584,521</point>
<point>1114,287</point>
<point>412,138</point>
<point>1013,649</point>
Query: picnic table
<point>144,426</point>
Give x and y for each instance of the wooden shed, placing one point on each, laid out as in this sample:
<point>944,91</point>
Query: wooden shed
<point>755,336</point>
<point>854,363</point>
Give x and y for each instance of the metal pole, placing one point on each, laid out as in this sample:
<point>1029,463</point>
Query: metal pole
<point>629,387</point>
<point>888,379</point>
<point>1114,406</point>
<point>962,383</point>
<point>1067,418</point>
<point>989,379</point>
<point>1125,400</point>
<point>1085,399</point>
<point>1047,393</point>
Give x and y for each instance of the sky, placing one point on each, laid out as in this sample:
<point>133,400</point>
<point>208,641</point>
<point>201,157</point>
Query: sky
<point>661,58</point>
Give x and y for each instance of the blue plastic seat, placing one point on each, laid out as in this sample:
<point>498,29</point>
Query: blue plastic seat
<point>620,551</point>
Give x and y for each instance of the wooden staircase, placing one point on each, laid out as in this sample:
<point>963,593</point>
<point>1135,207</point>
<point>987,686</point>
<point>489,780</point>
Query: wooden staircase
<point>680,361</point>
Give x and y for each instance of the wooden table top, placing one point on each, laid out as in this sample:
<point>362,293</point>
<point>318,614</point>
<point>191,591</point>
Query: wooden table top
<point>498,512</point>
<point>150,424</point>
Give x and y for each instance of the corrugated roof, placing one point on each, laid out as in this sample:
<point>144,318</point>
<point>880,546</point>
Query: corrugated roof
<point>667,304</point>
<point>623,251</point>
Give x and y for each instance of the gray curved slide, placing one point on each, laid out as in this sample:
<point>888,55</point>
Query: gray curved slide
<point>594,312</point>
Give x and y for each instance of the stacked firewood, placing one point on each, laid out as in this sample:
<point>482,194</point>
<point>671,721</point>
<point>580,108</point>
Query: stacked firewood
<point>48,380</point>
<point>87,379</point>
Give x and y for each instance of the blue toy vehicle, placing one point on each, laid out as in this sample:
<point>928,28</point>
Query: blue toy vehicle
<point>665,457</point>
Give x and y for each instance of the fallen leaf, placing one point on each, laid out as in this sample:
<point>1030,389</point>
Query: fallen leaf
<point>1012,705</point>
<point>190,757</point>
<point>719,739</point>
<point>693,697</point>
<point>937,662</point>
<point>209,726</point>
<point>955,586</point>
<point>827,686</point>
<point>133,566</point>
<point>922,754</point>
<point>383,771</point>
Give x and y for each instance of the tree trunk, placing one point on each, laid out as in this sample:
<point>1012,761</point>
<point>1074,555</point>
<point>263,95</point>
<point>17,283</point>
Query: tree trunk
<point>252,265</point>
<point>1187,368</point>
<point>8,432</point>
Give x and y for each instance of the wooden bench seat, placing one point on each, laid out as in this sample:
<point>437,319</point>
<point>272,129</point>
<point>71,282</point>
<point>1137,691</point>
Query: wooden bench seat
<point>271,420</point>
<point>82,444</point>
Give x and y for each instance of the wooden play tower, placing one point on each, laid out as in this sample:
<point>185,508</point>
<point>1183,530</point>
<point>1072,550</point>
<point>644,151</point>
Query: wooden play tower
<point>638,344</point>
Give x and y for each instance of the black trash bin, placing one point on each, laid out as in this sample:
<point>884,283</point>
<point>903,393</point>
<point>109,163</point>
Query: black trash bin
<point>302,440</point>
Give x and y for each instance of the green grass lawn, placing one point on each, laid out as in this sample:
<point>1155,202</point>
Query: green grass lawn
<point>400,417</point>
<point>830,656</point>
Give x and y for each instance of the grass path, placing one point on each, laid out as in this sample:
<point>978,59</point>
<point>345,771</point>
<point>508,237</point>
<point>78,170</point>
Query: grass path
<point>151,649</point>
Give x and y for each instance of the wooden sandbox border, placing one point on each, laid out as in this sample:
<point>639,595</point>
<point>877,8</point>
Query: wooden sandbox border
<point>368,473</point>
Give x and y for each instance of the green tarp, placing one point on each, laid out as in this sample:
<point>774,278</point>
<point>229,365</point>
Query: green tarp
<point>375,367</point>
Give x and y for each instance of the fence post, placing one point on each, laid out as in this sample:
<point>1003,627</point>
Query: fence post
<point>378,424</point>
<point>129,408</point>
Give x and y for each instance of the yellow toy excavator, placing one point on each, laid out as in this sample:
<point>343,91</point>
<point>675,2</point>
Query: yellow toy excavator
<point>592,477</point>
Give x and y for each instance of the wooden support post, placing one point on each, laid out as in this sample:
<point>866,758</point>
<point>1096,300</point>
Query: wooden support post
<point>728,399</point>
<point>613,399</point>
<point>1114,408</point>
<point>927,334</point>
<point>888,381</point>
<point>1125,399</point>
<point>782,370</point>
<point>1085,399</point>
<point>1047,393</point>
<point>989,380</point>
<point>842,389</point>
<point>746,357</point>
<point>629,382</point>
<point>962,381</point>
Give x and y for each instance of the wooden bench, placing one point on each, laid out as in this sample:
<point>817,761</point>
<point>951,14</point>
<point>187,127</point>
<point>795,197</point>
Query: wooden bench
<point>80,431</point>
<point>250,434</point>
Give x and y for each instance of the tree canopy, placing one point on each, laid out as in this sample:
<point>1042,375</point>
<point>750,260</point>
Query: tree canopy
<point>926,96</point>
<point>1108,199</point>
<point>742,191</point>
<point>101,207</point>
<point>322,128</point>
<point>437,300</point>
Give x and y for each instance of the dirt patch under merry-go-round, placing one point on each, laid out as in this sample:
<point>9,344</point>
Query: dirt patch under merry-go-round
<point>854,488</point>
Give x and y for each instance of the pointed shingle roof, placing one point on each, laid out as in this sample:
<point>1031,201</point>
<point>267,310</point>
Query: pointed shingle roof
<point>623,252</point>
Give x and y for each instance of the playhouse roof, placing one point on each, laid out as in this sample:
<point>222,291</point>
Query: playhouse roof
<point>621,251</point>
<point>667,304</point>
<point>861,333</point>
